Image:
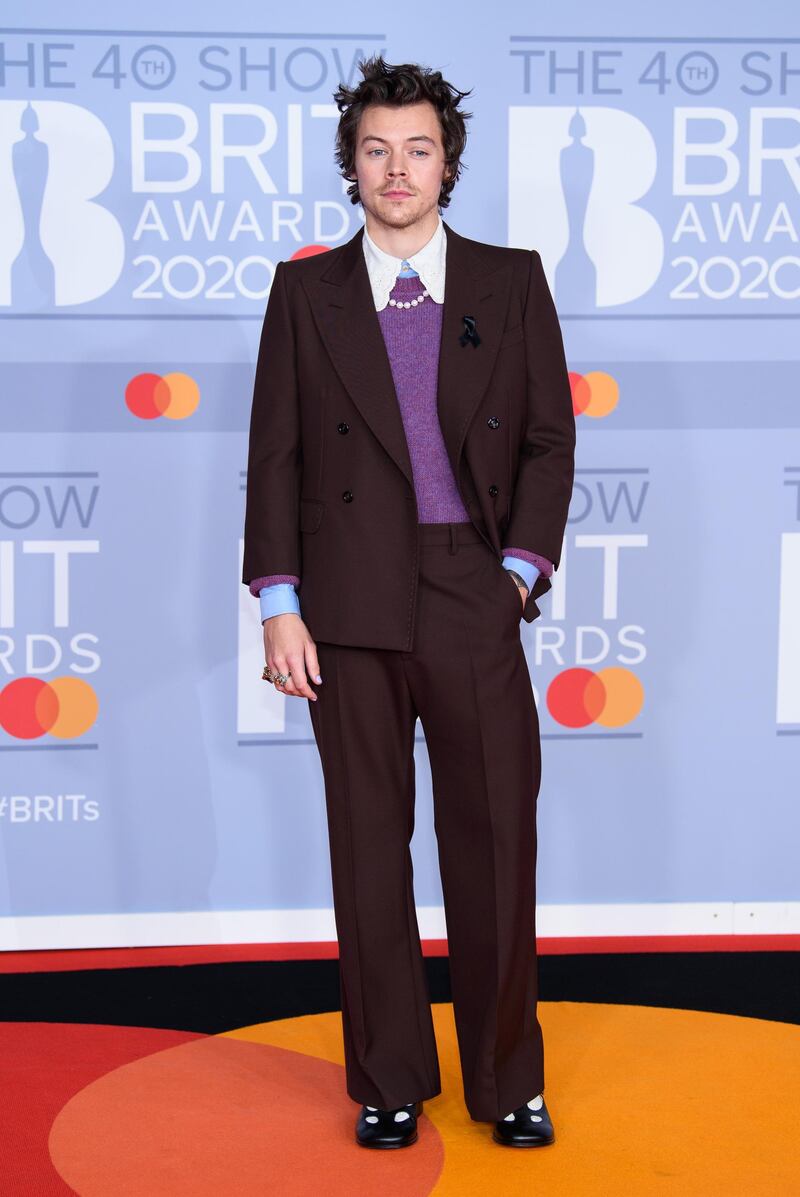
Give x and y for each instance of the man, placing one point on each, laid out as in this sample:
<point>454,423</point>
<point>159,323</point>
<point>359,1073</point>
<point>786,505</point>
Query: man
<point>409,476</point>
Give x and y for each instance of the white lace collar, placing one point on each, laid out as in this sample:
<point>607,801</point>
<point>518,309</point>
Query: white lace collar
<point>429,263</point>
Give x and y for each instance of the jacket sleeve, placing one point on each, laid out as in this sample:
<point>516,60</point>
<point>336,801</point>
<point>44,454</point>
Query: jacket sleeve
<point>274,461</point>
<point>543,486</point>
<point>258,584</point>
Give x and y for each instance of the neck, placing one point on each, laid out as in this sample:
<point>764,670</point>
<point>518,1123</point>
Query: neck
<point>402,243</point>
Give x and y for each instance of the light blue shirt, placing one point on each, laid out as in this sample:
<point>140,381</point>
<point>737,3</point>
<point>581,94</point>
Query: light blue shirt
<point>281,598</point>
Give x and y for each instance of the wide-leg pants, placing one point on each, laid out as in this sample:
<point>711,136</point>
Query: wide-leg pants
<point>467,680</point>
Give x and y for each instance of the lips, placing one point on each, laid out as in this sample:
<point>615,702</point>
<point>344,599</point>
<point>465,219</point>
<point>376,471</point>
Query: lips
<point>396,194</point>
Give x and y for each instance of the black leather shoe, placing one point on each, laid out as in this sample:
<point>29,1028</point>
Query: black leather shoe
<point>388,1128</point>
<point>527,1126</point>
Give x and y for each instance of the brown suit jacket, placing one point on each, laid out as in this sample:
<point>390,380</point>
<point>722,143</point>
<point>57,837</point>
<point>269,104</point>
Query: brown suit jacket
<point>330,490</point>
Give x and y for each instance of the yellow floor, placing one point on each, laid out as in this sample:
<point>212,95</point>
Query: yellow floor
<point>644,1101</point>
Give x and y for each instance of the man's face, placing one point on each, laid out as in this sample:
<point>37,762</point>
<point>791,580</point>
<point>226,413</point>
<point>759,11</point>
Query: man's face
<point>399,162</point>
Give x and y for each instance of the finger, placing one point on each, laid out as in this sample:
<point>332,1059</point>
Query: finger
<point>289,686</point>
<point>312,662</point>
<point>299,681</point>
<point>293,686</point>
<point>278,665</point>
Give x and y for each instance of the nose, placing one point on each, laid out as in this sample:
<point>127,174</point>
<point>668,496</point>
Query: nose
<point>397,168</point>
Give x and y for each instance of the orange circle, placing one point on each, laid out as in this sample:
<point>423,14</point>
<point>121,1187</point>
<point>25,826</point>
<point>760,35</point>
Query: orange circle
<point>208,1120</point>
<point>624,696</point>
<point>77,707</point>
<point>184,396</point>
<point>604,391</point>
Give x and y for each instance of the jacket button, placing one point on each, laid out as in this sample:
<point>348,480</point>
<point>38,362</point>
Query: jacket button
<point>343,427</point>
<point>493,422</point>
<point>347,495</point>
<point>493,490</point>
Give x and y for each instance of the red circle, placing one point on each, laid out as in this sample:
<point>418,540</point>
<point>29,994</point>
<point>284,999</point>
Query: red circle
<point>51,1063</point>
<point>567,697</point>
<point>147,396</point>
<point>308,251</point>
<point>581,392</point>
<point>28,708</point>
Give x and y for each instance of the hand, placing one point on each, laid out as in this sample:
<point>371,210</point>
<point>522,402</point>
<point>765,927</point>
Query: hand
<point>523,590</point>
<point>288,647</point>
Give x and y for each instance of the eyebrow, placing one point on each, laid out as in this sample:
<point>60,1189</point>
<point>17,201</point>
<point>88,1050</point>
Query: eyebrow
<point>417,137</point>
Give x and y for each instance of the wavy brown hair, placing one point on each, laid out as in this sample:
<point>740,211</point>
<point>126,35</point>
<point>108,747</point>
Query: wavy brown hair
<point>407,83</point>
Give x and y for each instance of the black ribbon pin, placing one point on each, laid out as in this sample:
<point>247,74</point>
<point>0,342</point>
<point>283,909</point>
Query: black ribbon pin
<point>470,332</point>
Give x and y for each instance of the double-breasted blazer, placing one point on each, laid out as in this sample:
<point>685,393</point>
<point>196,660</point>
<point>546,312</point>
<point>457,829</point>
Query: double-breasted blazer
<point>330,490</point>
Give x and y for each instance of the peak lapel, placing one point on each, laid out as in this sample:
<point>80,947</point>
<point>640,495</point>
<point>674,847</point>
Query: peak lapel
<point>344,312</point>
<point>474,286</point>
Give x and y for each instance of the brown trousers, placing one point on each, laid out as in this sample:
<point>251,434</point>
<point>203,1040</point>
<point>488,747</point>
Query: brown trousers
<point>467,679</point>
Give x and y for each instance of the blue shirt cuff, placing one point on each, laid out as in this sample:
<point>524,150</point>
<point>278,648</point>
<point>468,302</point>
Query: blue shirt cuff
<point>278,599</point>
<point>526,570</point>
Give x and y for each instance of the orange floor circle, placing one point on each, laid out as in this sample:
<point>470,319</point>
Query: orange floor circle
<point>644,1101</point>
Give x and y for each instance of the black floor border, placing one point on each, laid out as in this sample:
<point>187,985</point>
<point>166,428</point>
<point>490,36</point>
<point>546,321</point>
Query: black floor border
<point>221,996</point>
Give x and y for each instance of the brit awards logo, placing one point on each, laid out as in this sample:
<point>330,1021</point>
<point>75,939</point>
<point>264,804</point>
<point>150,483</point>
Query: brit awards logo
<point>683,212</point>
<point>590,172</point>
<point>590,645</point>
<point>58,245</point>
<point>180,170</point>
<point>48,559</point>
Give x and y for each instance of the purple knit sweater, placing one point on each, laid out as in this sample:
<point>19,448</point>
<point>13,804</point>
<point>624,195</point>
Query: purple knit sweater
<point>412,337</point>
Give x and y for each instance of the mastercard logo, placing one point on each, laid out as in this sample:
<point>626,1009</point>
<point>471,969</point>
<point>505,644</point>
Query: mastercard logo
<point>594,394</point>
<point>64,707</point>
<point>172,395</point>
<point>611,697</point>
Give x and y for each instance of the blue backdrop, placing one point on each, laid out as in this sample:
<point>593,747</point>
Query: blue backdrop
<point>152,172</point>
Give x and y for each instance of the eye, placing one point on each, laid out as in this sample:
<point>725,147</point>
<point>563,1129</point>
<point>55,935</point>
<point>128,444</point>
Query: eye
<point>379,150</point>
